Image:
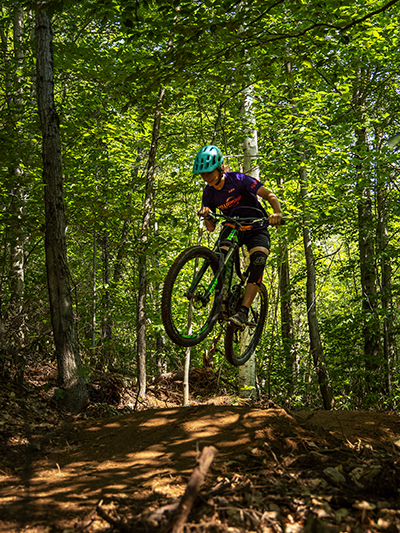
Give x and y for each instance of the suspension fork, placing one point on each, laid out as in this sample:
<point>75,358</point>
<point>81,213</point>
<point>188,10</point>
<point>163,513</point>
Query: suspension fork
<point>223,264</point>
<point>211,287</point>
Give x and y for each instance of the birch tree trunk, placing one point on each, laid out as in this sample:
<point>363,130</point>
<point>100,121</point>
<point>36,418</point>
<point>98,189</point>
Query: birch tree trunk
<point>18,200</point>
<point>58,277</point>
<point>106,324</point>
<point>247,372</point>
<point>148,202</point>
<point>315,339</point>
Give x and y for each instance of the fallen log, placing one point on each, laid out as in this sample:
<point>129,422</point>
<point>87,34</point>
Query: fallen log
<point>196,480</point>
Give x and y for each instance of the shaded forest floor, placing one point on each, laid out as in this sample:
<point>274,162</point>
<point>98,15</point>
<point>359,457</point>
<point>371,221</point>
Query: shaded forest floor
<point>275,471</point>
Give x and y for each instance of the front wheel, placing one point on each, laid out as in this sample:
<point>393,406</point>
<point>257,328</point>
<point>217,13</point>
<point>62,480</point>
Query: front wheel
<point>241,343</point>
<point>190,303</point>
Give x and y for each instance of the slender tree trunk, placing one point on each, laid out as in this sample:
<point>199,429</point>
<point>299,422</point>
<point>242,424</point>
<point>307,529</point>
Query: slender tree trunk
<point>149,195</point>
<point>58,279</point>
<point>288,342</point>
<point>188,351</point>
<point>247,372</point>
<point>287,331</point>
<point>389,339</point>
<point>313,327</point>
<point>126,229</point>
<point>159,356</point>
<point>106,322</point>
<point>94,290</point>
<point>106,325</point>
<point>315,339</point>
<point>366,239</point>
<point>382,239</point>
<point>17,240</point>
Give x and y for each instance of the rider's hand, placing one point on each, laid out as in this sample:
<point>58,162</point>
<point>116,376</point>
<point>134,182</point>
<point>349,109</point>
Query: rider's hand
<point>275,219</point>
<point>204,211</point>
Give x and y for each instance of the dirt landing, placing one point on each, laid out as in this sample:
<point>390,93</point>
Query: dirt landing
<point>289,470</point>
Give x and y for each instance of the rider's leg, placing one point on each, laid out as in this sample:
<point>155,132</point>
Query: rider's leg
<point>258,258</point>
<point>256,273</point>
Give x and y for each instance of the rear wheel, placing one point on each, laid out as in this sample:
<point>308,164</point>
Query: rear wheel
<point>241,343</point>
<point>188,313</point>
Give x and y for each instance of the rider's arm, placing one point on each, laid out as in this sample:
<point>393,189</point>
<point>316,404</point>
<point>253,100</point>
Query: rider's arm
<point>276,217</point>
<point>204,211</point>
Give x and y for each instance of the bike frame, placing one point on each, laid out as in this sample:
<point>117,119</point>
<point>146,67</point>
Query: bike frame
<point>232,242</point>
<point>223,262</point>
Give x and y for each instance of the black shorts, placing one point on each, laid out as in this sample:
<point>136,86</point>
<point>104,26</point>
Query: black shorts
<point>250,239</point>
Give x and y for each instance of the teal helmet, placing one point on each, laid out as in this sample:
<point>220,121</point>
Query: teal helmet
<point>207,159</point>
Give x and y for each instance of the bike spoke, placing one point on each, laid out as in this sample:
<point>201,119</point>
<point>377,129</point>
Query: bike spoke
<point>240,343</point>
<point>189,308</point>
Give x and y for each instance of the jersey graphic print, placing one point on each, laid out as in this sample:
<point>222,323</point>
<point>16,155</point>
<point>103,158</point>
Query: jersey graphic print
<point>239,191</point>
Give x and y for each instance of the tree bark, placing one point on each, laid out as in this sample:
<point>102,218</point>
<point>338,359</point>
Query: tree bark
<point>287,332</point>
<point>389,338</point>
<point>192,489</point>
<point>148,202</point>
<point>18,199</point>
<point>366,244</point>
<point>107,323</point>
<point>62,316</point>
<point>247,372</point>
<point>288,342</point>
<point>315,339</point>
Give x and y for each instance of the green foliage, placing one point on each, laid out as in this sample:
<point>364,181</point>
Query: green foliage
<point>111,59</point>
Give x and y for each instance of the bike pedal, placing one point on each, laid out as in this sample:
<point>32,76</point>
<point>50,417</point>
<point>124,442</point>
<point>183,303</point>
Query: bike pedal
<point>242,327</point>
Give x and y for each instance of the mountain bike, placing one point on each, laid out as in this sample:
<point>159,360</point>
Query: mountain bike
<point>205,286</point>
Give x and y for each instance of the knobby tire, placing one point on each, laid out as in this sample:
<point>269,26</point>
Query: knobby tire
<point>240,344</point>
<point>189,321</point>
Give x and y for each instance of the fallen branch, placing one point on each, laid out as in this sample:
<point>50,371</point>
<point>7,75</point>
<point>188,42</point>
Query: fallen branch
<point>196,479</point>
<point>118,524</point>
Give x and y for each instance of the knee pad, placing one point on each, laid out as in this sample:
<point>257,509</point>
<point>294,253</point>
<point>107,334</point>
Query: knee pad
<point>258,260</point>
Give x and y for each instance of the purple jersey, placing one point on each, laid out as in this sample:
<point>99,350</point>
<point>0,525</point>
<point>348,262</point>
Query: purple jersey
<point>238,197</point>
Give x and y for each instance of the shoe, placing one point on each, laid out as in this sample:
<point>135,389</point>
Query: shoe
<point>240,318</point>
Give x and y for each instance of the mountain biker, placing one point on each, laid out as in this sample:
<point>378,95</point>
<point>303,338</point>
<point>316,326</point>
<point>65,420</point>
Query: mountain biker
<point>235,193</point>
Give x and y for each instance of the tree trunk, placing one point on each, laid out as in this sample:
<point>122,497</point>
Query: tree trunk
<point>366,236</point>
<point>149,195</point>
<point>247,372</point>
<point>58,279</point>
<point>94,290</point>
<point>106,324</point>
<point>17,241</point>
<point>389,339</point>
<point>288,342</point>
<point>383,253</point>
<point>315,339</point>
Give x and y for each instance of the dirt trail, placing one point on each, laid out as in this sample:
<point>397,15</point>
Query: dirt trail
<point>132,460</point>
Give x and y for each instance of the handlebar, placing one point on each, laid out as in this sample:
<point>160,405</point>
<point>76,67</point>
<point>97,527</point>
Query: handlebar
<point>239,221</point>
